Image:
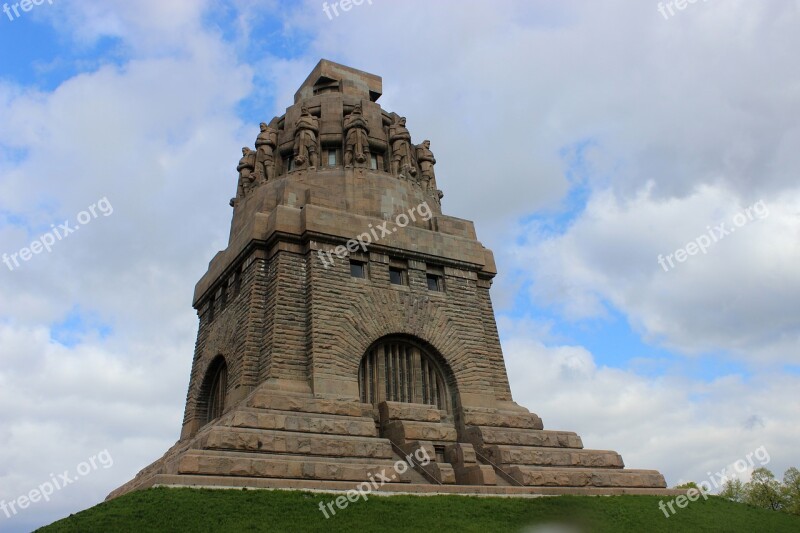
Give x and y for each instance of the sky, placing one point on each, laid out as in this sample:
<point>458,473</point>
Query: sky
<point>634,172</point>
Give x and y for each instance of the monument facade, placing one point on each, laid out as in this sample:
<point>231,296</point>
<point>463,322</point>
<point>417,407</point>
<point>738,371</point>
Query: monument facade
<point>349,324</point>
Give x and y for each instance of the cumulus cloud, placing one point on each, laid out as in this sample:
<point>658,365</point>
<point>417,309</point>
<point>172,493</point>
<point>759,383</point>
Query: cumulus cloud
<point>681,426</point>
<point>737,295</point>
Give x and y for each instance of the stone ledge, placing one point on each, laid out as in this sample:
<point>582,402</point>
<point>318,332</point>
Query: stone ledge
<point>533,476</point>
<point>496,418</point>
<point>481,436</point>
<point>359,427</point>
<point>409,411</point>
<point>539,456</point>
<point>303,404</point>
<point>296,443</point>
<point>224,482</point>
<point>402,431</point>
<point>247,465</point>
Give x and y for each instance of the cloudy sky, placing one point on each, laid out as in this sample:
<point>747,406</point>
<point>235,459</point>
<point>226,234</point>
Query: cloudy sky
<point>585,139</point>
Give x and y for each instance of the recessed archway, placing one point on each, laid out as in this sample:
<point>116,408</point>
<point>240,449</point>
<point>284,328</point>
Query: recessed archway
<point>400,369</point>
<point>215,389</point>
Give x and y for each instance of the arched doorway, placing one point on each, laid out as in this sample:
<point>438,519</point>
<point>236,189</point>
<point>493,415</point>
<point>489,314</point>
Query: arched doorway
<point>216,388</point>
<point>398,369</point>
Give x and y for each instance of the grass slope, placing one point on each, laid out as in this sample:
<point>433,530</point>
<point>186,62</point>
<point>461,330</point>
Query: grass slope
<point>193,510</point>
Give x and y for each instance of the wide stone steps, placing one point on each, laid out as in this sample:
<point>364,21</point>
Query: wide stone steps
<point>304,423</point>
<point>542,456</point>
<point>286,442</point>
<point>238,464</point>
<point>534,476</point>
<point>482,436</point>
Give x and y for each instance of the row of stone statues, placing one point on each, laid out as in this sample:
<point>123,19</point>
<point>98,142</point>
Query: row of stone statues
<point>258,166</point>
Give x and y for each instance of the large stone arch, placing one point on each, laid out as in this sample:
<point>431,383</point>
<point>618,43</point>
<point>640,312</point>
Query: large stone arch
<point>403,368</point>
<point>357,327</point>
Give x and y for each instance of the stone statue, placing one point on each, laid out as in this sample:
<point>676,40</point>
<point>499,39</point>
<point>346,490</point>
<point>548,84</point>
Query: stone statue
<point>246,166</point>
<point>426,162</point>
<point>402,157</point>
<point>356,144</point>
<point>305,139</point>
<point>266,143</point>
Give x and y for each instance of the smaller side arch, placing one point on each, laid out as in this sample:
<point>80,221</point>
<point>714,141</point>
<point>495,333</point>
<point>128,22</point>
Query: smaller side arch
<point>214,392</point>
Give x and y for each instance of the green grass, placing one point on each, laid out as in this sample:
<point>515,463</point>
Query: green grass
<point>194,510</point>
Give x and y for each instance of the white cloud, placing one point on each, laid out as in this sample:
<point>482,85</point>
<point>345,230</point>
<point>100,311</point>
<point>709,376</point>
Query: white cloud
<point>738,296</point>
<point>678,425</point>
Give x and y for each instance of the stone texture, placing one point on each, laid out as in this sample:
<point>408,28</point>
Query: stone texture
<point>575,477</point>
<point>401,431</point>
<point>481,436</point>
<point>305,423</point>
<point>409,411</point>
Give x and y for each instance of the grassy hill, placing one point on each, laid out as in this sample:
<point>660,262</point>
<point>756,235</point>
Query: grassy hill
<point>194,510</point>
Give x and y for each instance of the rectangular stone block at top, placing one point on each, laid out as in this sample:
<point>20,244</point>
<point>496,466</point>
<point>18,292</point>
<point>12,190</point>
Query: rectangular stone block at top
<point>574,477</point>
<point>481,436</point>
<point>494,418</point>
<point>303,404</point>
<point>402,431</point>
<point>297,444</point>
<point>329,425</point>
<point>275,466</point>
<point>409,411</point>
<point>524,455</point>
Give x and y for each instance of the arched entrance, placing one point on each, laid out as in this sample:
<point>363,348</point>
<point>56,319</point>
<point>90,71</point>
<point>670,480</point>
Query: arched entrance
<point>216,389</point>
<point>399,369</point>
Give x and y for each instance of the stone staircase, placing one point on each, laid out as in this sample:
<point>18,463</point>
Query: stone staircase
<point>275,439</point>
<point>281,437</point>
<point>517,444</point>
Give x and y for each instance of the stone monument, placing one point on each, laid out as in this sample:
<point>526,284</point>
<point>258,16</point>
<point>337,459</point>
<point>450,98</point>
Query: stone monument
<point>349,324</point>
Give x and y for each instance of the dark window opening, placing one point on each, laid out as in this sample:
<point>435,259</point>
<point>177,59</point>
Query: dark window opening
<point>223,297</point>
<point>210,312</point>
<point>435,283</point>
<point>439,450</point>
<point>358,269</point>
<point>218,392</point>
<point>331,157</point>
<point>237,283</point>
<point>398,276</point>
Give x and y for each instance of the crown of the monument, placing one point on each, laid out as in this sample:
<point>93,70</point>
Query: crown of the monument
<point>337,124</point>
<point>328,77</point>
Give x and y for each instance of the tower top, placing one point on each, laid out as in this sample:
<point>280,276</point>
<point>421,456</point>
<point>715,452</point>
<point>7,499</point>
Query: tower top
<point>330,77</point>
